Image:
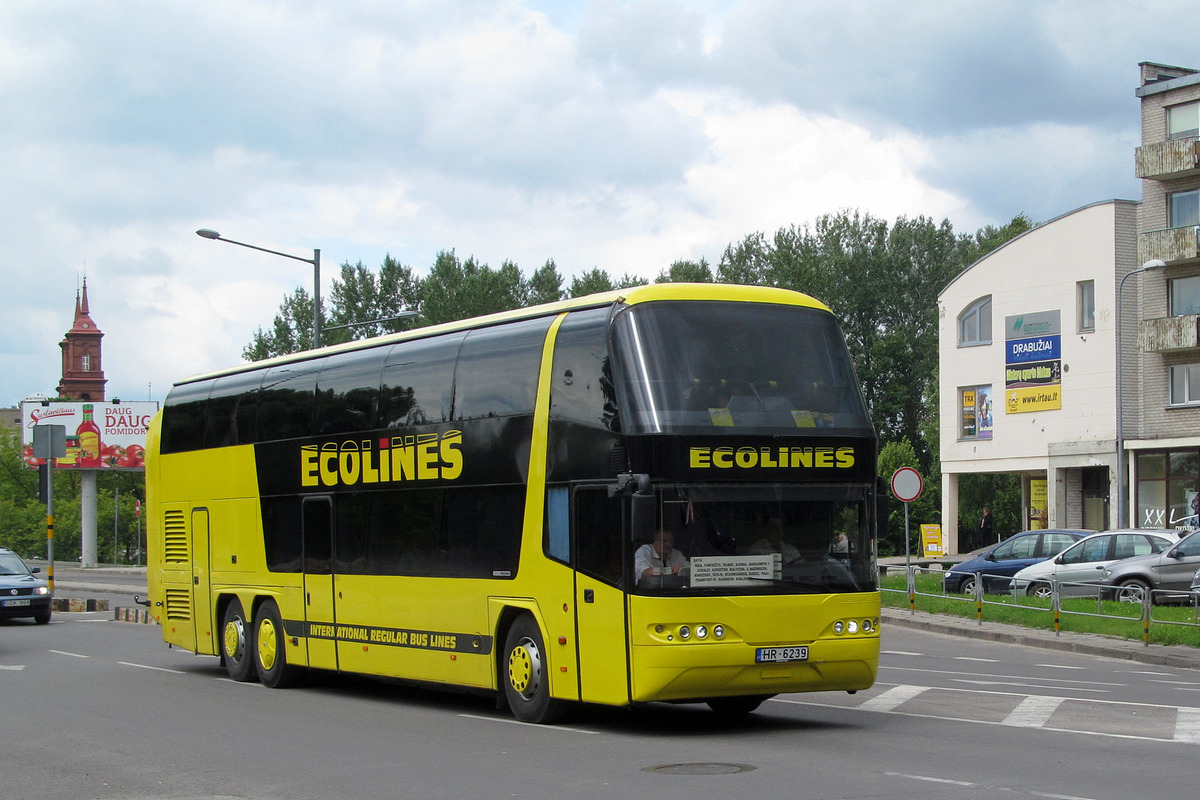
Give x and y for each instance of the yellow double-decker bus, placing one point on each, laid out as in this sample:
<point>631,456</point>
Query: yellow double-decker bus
<point>666,493</point>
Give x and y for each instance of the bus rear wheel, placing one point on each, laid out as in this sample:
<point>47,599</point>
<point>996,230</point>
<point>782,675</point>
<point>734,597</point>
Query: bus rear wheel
<point>737,706</point>
<point>271,649</point>
<point>526,676</point>
<point>235,645</point>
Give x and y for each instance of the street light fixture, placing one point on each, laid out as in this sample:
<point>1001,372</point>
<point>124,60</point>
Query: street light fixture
<point>209,233</point>
<point>1122,500</point>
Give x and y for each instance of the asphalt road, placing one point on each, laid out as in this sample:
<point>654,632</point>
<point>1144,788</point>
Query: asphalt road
<point>103,709</point>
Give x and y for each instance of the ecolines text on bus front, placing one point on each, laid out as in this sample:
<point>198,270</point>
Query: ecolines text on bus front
<point>771,457</point>
<point>394,459</point>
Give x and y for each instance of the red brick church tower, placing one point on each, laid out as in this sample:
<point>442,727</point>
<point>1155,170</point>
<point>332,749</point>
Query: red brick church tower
<point>82,376</point>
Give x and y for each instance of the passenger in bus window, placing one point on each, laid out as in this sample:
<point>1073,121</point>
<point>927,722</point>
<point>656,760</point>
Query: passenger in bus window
<point>659,558</point>
<point>772,542</point>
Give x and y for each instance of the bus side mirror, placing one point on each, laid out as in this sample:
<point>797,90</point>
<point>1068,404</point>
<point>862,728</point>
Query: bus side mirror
<point>643,514</point>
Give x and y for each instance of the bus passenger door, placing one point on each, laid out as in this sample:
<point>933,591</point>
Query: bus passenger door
<point>319,607</point>
<point>201,582</point>
<point>600,613</point>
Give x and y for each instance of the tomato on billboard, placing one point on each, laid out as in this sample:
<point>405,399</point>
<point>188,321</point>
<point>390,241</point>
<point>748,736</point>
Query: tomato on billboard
<point>99,435</point>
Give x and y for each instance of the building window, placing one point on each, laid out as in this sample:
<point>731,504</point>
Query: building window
<point>1185,384</point>
<point>87,362</point>
<point>1183,121</point>
<point>1085,306</point>
<point>1185,296</point>
<point>975,412</point>
<point>1183,208</point>
<point>1167,486</point>
<point>975,323</point>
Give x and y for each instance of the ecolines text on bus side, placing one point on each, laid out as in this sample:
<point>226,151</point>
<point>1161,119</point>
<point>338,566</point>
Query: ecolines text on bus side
<point>395,459</point>
<point>771,457</point>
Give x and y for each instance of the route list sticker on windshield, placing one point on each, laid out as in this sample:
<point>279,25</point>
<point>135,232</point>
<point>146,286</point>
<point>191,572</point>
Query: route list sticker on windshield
<point>734,570</point>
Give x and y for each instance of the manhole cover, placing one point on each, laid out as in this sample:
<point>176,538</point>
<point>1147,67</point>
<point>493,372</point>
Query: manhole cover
<point>698,769</point>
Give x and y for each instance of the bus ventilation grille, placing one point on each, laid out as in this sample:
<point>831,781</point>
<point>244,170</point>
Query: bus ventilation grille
<point>179,604</point>
<point>175,540</point>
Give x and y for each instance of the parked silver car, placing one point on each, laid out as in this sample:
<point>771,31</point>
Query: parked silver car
<point>1080,567</point>
<point>1167,575</point>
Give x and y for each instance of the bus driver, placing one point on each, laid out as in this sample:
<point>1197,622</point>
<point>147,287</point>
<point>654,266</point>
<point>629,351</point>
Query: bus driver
<point>659,558</point>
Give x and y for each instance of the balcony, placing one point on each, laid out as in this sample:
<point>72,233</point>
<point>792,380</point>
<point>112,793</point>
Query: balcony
<point>1172,245</point>
<point>1167,160</point>
<point>1169,334</point>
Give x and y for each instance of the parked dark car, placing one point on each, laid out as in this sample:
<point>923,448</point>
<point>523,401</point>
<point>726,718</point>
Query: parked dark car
<point>999,563</point>
<point>22,593</point>
<point>1168,575</point>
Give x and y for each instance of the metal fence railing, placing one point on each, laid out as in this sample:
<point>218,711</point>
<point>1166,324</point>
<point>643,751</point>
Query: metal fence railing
<point>1134,606</point>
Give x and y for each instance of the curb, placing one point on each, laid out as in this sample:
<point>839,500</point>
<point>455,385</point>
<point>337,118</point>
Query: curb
<point>139,615</point>
<point>1082,643</point>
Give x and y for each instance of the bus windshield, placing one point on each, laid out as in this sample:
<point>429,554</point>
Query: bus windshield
<point>749,539</point>
<point>711,367</point>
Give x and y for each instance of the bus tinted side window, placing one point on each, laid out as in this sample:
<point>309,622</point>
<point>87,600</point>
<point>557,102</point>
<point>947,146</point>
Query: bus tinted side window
<point>582,387</point>
<point>232,410</point>
<point>498,369</point>
<point>183,417</point>
<point>348,392</point>
<point>431,532</point>
<point>418,381</point>
<point>286,401</point>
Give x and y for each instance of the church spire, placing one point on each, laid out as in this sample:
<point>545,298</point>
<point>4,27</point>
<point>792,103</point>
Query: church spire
<point>82,375</point>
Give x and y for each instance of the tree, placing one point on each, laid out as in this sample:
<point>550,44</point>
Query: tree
<point>686,272</point>
<point>545,285</point>
<point>291,331</point>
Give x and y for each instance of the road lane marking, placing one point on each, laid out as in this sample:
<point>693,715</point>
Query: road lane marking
<point>147,666</point>
<point>899,653</point>
<point>1059,666</point>
<point>980,660</point>
<point>929,779</point>
<point>72,655</point>
<point>1002,678</point>
<point>1034,711</point>
<point>892,698</point>
<point>13,667</point>
<point>1187,725</point>
<point>1019,684</point>
<point>550,728</point>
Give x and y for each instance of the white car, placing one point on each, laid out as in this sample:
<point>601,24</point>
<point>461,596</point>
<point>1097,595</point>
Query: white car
<point>1083,563</point>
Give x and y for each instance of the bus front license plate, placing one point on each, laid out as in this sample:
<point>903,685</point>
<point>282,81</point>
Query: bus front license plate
<point>775,655</point>
<point>11,603</point>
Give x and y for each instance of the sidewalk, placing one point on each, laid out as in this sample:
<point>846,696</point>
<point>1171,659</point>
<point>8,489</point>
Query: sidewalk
<point>1085,643</point>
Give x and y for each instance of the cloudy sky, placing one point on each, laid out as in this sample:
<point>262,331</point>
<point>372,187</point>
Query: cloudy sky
<point>599,133</point>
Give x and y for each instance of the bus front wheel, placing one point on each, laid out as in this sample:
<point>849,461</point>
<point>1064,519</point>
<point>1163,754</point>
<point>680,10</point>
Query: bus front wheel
<point>526,675</point>
<point>235,646</point>
<point>271,649</point>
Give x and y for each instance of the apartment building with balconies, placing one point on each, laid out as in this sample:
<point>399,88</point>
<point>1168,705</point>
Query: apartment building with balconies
<point>1162,418</point>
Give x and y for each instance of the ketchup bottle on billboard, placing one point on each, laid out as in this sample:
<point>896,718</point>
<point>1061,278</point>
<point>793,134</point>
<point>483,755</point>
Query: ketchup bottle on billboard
<point>89,439</point>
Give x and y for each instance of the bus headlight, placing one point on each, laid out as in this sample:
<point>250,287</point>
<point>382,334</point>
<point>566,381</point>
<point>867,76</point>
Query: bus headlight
<point>839,627</point>
<point>685,632</point>
<point>719,631</point>
<point>701,632</point>
<point>852,626</point>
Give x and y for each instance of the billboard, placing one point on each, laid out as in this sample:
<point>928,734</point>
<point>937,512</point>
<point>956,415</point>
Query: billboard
<point>99,435</point>
<point>1033,363</point>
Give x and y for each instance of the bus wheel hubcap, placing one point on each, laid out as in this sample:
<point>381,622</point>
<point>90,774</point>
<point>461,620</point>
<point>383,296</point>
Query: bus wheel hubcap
<point>525,668</point>
<point>266,644</point>
<point>234,639</point>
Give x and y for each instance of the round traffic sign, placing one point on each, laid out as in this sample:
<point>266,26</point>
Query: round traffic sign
<point>906,484</point>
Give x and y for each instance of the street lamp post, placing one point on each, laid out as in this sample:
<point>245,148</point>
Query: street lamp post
<point>208,233</point>
<point>1122,500</point>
